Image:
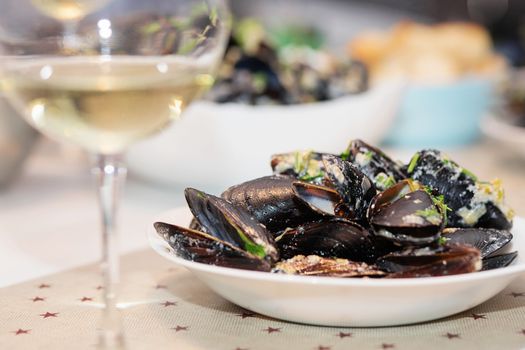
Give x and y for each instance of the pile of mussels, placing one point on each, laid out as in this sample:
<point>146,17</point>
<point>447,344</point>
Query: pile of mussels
<point>358,214</point>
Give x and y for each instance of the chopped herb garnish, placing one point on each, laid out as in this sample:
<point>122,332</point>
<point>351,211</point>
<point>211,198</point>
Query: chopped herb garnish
<point>413,162</point>
<point>469,174</point>
<point>442,240</point>
<point>309,178</point>
<point>430,214</point>
<point>345,155</point>
<point>383,181</point>
<point>369,155</point>
<point>249,245</point>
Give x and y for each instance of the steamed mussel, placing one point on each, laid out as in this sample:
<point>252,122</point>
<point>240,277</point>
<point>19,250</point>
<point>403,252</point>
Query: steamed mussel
<point>357,214</point>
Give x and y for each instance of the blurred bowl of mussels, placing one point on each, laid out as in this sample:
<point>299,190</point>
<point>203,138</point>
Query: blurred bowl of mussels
<point>275,90</point>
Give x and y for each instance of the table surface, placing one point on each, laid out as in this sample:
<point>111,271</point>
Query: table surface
<point>49,224</point>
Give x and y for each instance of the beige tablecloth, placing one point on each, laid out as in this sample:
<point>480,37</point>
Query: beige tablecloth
<point>166,307</point>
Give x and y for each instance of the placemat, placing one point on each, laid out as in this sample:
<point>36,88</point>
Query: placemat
<point>164,306</point>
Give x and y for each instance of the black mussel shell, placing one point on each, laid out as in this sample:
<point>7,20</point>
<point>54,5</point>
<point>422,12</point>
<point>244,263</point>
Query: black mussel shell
<point>230,224</point>
<point>354,187</point>
<point>375,164</point>
<point>328,238</point>
<point>472,203</point>
<point>314,265</point>
<point>487,240</point>
<point>306,166</point>
<point>440,260</point>
<point>498,261</point>
<point>200,247</point>
<point>279,202</point>
<point>406,215</point>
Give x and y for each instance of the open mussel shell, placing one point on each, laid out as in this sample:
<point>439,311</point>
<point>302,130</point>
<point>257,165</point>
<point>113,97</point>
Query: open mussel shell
<point>498,261</point>
<point>472,203</point>
<point>440,260</point>
<point>375,164</point>
<point>231,225</point>
<point>279,202</point>
<point>488,241</point>
<point>333,237</point>
<point>313,265</point>
<point>405,215</point>
<point>354,187</point>
<point>200,247</point>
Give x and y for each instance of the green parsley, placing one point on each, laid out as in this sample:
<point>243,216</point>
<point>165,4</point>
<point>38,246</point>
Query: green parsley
<point>413,162</point>
<point>469,174</point>
<point>442,240</point>
<point>345,155</point>
<point>383,181</point>
<point>430,214</point>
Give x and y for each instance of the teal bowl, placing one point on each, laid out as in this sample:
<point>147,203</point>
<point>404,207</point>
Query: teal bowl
<point>441,115</point>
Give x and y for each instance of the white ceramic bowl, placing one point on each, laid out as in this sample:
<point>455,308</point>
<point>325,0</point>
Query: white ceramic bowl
<point>218,145</point>
<point>347,302</point>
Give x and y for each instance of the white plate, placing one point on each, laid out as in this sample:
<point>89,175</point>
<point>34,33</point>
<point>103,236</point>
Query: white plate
<point>347,302</point>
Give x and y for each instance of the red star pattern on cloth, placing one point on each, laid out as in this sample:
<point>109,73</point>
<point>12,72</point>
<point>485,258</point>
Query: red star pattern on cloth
<point>246,314</point>
<point>49,314</point>
<point>161,286</point>
<point>321,347</point>
<point>44,285</point>
<point>35,299</point>
<point>169,303</point>
<point>515,294</point>
<point>387,346</point>
<point>478,316</point>
<point>180,328</point>
<point>21,331</point>
<point>272,330</point>
<point>452,335</point>
<point>343,335</point>
<point>84,299</point>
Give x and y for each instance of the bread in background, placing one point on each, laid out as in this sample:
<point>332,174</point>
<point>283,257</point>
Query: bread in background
<point>438,53</point>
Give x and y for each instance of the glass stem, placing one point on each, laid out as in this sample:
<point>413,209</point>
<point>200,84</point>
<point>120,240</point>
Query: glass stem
<point>110,175</point>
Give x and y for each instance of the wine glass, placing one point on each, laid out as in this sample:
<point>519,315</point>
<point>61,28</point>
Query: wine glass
<point>129,69</point>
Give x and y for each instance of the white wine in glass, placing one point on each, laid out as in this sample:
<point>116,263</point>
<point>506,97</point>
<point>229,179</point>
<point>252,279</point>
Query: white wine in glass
<point>104,105</point>
<point>68,10</point>
<point>132,68</point>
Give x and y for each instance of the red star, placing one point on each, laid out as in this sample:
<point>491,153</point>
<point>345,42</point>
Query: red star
<point>387,346</point>
<point>321,347</point>
<point>99,287</point>
<point>21,331</point>
<point>515,295</point>
<point>180,328</point>
<point>83,299</point>
<point>451,335</point>
<point>43,285</point>
<point>169,303</point>
<point>478,316</point>
<point>38,299</point>
<point>160,286</point>
<point>343,335</point>
<point>49,314</point>
<point>272,330</point>
<point>246,314</point>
